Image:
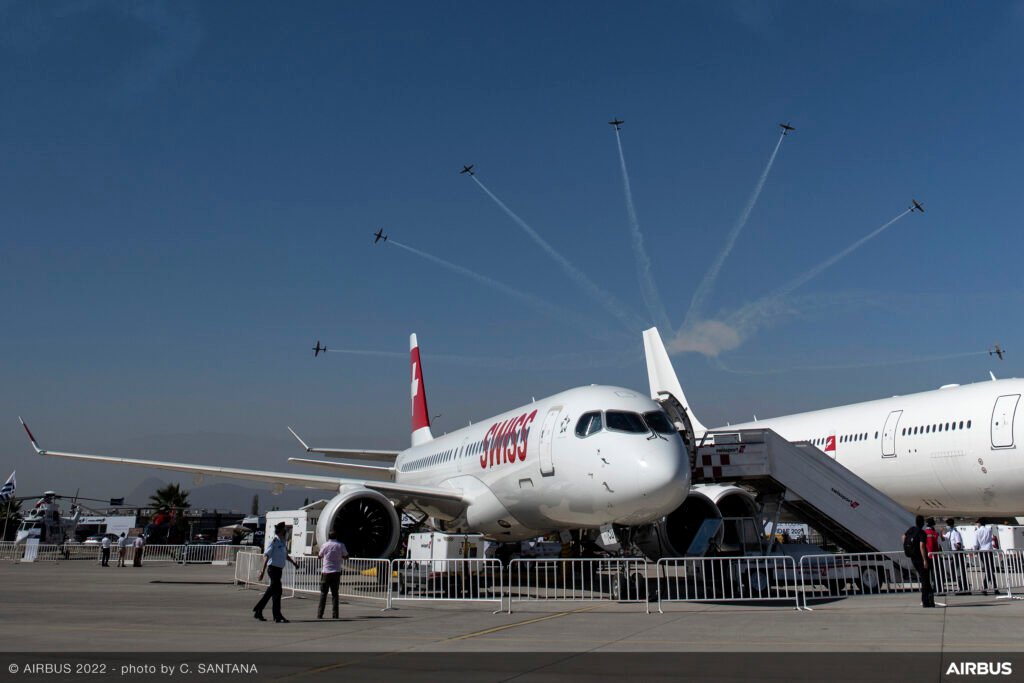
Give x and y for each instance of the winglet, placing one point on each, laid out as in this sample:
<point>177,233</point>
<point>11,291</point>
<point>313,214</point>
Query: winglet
<point>308,450</point>
<point>30,437</point>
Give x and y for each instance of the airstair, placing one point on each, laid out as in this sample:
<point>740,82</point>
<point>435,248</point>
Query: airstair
<point>806,483</point>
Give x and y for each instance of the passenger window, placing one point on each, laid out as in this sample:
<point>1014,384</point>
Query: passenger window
<point>968,424</point>
<point>589,423</point>
<point>622,421</point>
<point>658,421</point>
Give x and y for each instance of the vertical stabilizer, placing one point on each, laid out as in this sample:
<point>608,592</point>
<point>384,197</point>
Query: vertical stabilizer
<point>662,376</point>
<point>420,417</point>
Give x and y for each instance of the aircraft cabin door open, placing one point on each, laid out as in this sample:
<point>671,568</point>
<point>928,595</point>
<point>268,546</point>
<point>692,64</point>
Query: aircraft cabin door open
<point>1002,420</point>
<point>547,433</point>
<point>889,434</point>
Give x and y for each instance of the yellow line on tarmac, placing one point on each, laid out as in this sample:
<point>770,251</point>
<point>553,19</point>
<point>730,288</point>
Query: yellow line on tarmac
<point>496,629</point>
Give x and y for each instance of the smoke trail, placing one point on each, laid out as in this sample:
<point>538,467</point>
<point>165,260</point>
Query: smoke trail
<point>851,366</point>
<point>704,288</point>
<point>643,264</point>
<point>829,262</point>
<point>753,315</point>
<point>631,322</point>
<point>528,299</point>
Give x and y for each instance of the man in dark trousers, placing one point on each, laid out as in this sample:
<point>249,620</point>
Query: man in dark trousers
<point>919,558</point>
<point>275,556</point>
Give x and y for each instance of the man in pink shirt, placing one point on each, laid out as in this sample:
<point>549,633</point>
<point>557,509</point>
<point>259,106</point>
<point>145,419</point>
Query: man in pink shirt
<point>331,553</point>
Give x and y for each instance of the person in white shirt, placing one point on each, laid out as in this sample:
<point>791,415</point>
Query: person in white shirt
<point>956,542</point>
<point>332,553</point>
<point>122,549</point>
<point>105,551</point>
<point>137,558</point>
<point>274,558</point>
<point>986,542</point>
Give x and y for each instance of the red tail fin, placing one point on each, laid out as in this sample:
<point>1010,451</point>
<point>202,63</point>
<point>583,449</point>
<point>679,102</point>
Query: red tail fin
<point>420,417</point>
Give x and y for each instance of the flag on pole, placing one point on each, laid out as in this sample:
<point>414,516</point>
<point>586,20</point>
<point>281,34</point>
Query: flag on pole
<point>7,490</point>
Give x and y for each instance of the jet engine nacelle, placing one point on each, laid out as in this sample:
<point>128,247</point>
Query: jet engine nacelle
<point>365,521</point>
<point>672,535</point>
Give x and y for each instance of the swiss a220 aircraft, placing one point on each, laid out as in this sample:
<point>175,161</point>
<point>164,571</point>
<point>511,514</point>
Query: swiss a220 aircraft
<point>582,459</point>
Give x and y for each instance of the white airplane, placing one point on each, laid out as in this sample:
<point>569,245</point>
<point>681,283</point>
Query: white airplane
<point>582,459</point>
<point>952,451</point>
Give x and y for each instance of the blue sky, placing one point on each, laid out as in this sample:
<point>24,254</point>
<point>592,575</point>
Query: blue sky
<point>189,192</point>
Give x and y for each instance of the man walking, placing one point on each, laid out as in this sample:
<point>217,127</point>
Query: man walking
<point>275,556</point>
<point>914,546</point>
<point>332,553</point>
<point>105,551</point>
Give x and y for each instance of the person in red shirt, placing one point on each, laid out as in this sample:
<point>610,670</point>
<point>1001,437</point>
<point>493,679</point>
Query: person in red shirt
<point>933,544</point>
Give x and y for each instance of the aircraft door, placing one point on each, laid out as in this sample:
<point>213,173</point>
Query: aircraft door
<point>546,440</point>
<point>889,434</point>
<point>1002,420</point>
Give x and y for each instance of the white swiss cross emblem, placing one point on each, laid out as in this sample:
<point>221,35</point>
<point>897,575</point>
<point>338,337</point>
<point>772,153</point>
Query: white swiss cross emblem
<point>414,388</point>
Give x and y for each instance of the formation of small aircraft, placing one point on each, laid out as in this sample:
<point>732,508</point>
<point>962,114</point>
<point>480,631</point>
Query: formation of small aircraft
<point>997,351</point>
<point>317,350</point>
<point>467,169</point>
<point>617,123</point>
<point>786,128</point>
<point>379,235</point>
<point>916,206</point>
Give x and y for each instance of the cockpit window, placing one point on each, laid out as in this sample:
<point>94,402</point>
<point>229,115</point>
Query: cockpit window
<point>589,423</point>
<point>622,421</point>
<point>658,421</point>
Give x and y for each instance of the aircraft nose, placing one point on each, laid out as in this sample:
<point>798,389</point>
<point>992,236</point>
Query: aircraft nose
<point>665,476</point>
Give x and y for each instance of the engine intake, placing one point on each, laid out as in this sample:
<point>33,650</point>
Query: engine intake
<point>364,520</point>
<point>673,535</point>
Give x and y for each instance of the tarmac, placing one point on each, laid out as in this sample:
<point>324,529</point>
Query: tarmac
<point>158,611</point>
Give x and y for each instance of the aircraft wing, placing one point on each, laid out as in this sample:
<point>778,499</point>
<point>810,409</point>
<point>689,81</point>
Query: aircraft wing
<point>279,479</point>
<point>450,501</point>
<point>359,454</point>
<point>350,469</point>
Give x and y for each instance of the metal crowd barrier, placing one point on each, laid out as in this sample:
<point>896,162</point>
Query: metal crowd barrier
<point>578,580</point>
<point>728,579</point>
<point>1013,567</point>
<point>962,572</point>
<point>475,580</point>
<point>364,579</point>
<point>850,574</point>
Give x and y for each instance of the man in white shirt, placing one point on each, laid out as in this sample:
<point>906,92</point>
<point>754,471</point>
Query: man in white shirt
<point>332,553</point>
<point>122,549</point>
<point>274,558</point>
<point>986,543</point>
<point>105,551</point>
<point>956,543</point>
<point>137,558</point>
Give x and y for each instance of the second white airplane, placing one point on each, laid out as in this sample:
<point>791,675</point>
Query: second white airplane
<point>951,451</point>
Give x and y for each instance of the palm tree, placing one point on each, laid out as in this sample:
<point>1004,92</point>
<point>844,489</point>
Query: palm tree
<point>170,499</point>
<point>170,496</point>
<point>10,518</point>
